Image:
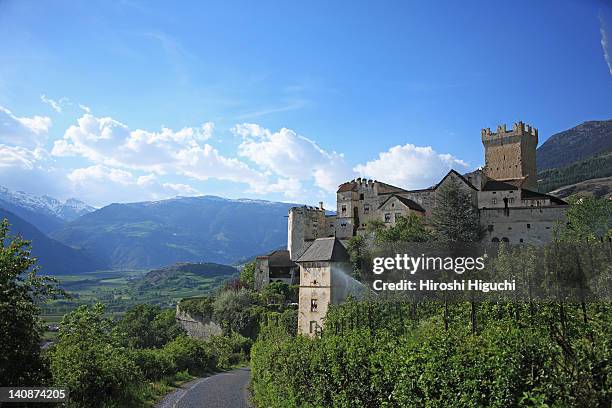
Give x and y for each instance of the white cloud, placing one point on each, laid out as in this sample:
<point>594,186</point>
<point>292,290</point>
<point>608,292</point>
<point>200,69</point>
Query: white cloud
<point>55,105</point>
<point>99,184</point>
<point>22,130</point>
<point>85,108</point>
<point>604,42</point>
<point>410,166</point>
<point>108,142</point>
<point>291,156</point>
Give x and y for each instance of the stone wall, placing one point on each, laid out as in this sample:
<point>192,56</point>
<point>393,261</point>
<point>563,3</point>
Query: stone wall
<point>196,327</point>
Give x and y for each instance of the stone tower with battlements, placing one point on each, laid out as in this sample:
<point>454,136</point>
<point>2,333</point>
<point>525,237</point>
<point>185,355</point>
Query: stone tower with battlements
<point>511,154</point>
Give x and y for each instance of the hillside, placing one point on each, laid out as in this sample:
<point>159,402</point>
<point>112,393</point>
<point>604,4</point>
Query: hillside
<point>578,143</point>
<point>183,229</point>
<point>206,270</point>
<point>592,168</point>
<point>53,256</point>
<point>48,214</point>
<point>600,187</point>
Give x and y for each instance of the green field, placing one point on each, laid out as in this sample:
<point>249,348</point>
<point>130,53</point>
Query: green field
<point>119,290</point>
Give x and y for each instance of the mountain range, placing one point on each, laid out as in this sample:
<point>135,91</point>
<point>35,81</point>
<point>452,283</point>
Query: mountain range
<point>183,229</point>
<point>54,257</point>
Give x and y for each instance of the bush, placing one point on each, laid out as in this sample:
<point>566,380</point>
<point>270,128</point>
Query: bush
<point>511,360</point>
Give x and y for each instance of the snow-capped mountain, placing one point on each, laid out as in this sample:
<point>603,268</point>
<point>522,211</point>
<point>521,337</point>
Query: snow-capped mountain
<point>45,212</point>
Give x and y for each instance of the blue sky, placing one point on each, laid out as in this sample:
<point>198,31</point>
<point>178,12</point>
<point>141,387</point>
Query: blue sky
<point>282,100</point>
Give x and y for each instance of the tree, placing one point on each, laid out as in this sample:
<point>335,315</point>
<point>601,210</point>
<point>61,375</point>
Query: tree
<point>455,218</point>
<point>235,311</point>
<point>279,293</point>
<point>247,275</point>
<point>148,326</point>
<point>589,219</point>
<point>90,360</point>
<point>406,229</point>
<point>21,292</point>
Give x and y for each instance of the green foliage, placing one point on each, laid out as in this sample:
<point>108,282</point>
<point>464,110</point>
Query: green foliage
<point>89,359</point>
<point>455,218</point>
<point>235,312</point>
<point>148,326</point>
<point>589,220</point>
<point>406,229</point>
<point>279,293</point>
<point>21,292</point>
<point>593,167</point>
<point>199,307</point>
<point>247,275</point>
<point>517,357</point>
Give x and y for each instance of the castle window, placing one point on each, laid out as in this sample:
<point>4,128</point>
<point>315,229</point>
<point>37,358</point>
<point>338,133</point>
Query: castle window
<point>495,239</point>
<point>343,224</point>
<point>392,205</point>
<point>511,200</point>
<point>313,305</point>
<point>366,209</point>
<point>313,326</point>
<point>343,209</point>
<point>361,196</point>
<point>494,201</point>
<point>504,239</point>
<point>528,226</point>
<point>387,217</point>
<point>490,228</point>
<point>521,240</point>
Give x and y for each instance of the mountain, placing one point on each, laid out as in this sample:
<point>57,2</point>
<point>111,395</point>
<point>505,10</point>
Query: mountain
<point>53,256</point>
<point>184,229</point>
<point>170,273</point>
<point>589,139</point>
<point>45,212</point>
<point>599,187</point>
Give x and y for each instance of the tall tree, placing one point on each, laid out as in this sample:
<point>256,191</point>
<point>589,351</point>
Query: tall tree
<point>455,217</point>
<point>21,292</point>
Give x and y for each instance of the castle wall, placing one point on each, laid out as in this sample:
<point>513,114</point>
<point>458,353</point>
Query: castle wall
<point>511,154</point>
<point>196,327</point>
<point>532,225</point>
<point>262,272</point>
<point>305,224</point>
<point>315,284</point>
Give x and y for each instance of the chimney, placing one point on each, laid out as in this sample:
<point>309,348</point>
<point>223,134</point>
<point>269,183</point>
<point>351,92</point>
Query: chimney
<point>321,205</point>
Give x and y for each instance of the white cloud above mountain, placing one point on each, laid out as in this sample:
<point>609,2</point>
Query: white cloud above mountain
<point>291,156</point>
<point>410,166</point>
<point>23,131</point>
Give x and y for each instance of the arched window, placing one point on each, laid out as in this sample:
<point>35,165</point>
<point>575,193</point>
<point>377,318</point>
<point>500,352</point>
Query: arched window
<point>505,239</point>
<point>495,239</point>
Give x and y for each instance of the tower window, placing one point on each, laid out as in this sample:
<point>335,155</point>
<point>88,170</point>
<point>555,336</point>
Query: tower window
<point>366,209</point>
<point>494,201</point>
<point>343,209</point>
<point>387,217</point>
<point>361,196</point>
<point>313,305</point>
<point>313,326</point>
<point>528,226</point>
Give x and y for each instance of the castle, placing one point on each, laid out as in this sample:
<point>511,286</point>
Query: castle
<point>504,191</point>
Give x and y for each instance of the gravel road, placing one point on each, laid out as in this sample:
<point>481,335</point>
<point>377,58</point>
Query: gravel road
<point>223,390</point>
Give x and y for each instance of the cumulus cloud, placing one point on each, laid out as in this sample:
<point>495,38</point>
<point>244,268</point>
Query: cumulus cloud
<point>604,42</point>
<point>98,184</point>
<point>291,156</point>
<point>23,131</point>
<point>109,142</point>
<point>410,166</point>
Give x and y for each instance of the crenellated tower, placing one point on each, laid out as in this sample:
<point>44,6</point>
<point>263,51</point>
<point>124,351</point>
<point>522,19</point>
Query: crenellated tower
<point>511,154</point>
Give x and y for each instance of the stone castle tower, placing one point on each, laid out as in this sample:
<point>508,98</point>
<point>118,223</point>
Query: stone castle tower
<point>511,154</point>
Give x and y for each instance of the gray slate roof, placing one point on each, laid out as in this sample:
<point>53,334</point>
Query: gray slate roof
<point>325,249</point>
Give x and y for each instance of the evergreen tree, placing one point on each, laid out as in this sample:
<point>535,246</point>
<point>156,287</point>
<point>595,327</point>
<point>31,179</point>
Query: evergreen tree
<point>455,217</point>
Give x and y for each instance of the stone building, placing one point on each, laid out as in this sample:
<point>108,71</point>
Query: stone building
<point>510,208</point>
<point>277,266</point>
<point>324,279</point>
